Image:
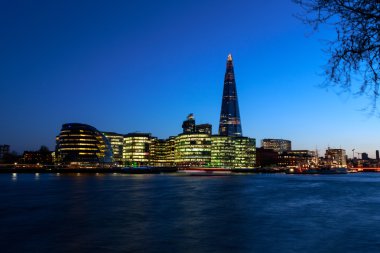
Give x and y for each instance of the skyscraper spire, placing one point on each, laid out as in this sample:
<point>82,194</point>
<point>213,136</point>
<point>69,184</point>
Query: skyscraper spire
<point>229,124</point>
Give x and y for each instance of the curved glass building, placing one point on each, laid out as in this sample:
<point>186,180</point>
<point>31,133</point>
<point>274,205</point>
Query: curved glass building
<point>83,145</point>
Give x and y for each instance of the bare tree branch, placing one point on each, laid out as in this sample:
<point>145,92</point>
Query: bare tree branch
<point>355,52</point>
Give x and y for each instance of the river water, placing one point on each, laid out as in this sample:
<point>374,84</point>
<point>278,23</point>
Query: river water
<point>171,213</point>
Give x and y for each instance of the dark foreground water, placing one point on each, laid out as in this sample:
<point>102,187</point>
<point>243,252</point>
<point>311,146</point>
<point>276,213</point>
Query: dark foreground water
<point>168,213</point>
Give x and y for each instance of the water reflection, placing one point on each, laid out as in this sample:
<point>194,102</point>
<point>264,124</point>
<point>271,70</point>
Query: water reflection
<point>165,213</point>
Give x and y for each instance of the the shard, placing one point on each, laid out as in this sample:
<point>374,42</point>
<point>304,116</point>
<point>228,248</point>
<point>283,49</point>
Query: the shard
<point>229,124</point>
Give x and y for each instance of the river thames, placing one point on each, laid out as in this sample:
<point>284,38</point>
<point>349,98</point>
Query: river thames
<point>171,213</point>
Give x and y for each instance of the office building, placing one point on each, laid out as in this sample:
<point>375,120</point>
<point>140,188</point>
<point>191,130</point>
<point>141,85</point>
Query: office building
<point>278,145</point>
<point>230,124</point>
<point>222,151</point>
<point>82,145</point>
<point>204,129</point>
<point>136,149</point>
<point>245,152</point>
<point>116,142</point>
<point>188,125</point>
<point>162,152</point>
<point>297,159</point>
<point>193,150</point>
<point>335,157</point>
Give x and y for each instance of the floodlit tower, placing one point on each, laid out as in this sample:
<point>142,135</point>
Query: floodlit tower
<point>229,124</point>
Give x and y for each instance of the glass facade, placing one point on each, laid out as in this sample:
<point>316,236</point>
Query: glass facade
<point>82,144</point>
<point>162,152</point>
<point>230,124</point>
<point>222,151</point>
<point>245,152</point>
<point>116,141</point>
<point>136,149</point>
<point>193,150</point>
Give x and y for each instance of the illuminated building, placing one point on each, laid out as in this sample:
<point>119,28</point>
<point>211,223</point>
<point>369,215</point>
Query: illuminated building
<point>82,144</point>
<point>245,152</point>
<point>278,145</point>
<point>193,150</point>
<point>204,129</point>
<point>188,125</point>
<point>297,159</point>
<point>162,152</point>
<point>136,149</point>
<point>335,157</point>
<point>116,142</point>
<point>42,157</point>
<point>222,151</point>
<point>229,124</point>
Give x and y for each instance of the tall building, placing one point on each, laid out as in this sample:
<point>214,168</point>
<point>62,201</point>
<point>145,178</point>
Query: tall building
<point>229,124</point>
<point>377,154</point>
<point>278,145</point>
<point>188,125</point>
<point>81,144</point>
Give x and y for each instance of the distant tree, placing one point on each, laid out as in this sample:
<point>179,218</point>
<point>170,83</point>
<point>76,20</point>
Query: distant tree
<point>355,52</point>
<point>44,149</point>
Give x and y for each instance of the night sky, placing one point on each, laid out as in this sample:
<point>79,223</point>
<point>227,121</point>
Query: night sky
<point>127,66</point>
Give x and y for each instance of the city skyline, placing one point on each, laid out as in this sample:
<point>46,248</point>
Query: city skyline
<point>126,67</point>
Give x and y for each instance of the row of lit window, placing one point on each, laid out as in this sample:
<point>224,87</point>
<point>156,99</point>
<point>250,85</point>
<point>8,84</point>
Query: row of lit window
<point>79,149</point>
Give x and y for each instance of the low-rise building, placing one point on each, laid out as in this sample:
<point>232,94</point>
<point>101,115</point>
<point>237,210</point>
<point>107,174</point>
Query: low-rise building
<point>335,157</point>
<point>116,142</point>
<point>278,145</point>
<point>136,149</point>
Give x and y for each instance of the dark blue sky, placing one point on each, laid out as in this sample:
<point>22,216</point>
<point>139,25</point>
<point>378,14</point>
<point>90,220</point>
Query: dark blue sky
<point>127,66</point>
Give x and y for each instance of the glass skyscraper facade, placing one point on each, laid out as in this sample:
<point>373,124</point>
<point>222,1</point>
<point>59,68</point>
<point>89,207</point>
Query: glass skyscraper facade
<point>229,124</point>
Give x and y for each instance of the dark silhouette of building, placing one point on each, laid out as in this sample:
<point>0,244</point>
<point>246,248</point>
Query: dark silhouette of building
<point>4,150</point>
<point>377,154</point>
<point>229,124</point>
<point>365,156</point>
<point>266,157</point>
<point>81,144</point>
<point>42,157</point>
<point>188,125</point>
<point>204,128</point>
